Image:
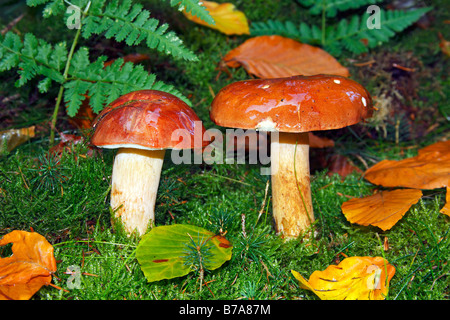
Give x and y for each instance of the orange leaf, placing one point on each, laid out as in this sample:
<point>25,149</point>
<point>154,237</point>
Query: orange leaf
<point>446,208</point>
<point>277,57</point>
<point>355,278</point>
<point>383,209</point>
<point>228,19</point>
<point>29,267</point>
<point>430,169</point>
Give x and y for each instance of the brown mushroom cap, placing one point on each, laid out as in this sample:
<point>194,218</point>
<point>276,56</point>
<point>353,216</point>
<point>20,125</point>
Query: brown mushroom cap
<point>146,119</point>
<point>294,104</point>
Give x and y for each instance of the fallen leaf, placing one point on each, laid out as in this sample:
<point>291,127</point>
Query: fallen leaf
<point>383,209</point>
<point>227,18</point>
<point>30,266</point>
<point>10,139</point>
<point>446,208</point>
<point>355,278</point>
<point>166,252</point>
<point>430,169</point>
<point>277,57</point>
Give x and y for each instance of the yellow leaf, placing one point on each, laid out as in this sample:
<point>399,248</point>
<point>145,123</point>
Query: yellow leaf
<point>9,139</point>
<point>355,278</point>
<point>383,209</point>
<point>29,267</point>
<point>279,57</point>
<point>228,19</point>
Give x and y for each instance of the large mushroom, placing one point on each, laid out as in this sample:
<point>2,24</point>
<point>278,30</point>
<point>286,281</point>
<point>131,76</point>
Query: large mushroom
<point>292,107</point>
<point>141,125</point>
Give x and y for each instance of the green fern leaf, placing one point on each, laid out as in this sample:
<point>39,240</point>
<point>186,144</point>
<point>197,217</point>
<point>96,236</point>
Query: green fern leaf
<point>33,57</point>
<point>74,92</point>
<point>44,85</point>
<point>303,33</point>
<point>105,84</point>
<point>351,34</point>
<point>53,7</point>
<point>131,23</point>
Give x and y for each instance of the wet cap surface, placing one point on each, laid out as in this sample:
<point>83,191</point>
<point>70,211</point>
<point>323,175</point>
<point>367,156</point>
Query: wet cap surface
<point>294,104</point>
<point>147,119</point>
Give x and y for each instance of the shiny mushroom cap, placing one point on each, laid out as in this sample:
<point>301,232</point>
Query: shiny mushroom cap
<point>294,104</point>
<point>147,119</point>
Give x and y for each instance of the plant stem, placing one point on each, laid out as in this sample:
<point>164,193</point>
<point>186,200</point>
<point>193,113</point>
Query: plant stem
<point>65,75</point>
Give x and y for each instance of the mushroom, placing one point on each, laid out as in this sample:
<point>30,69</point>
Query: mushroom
<point>291,107</point>
<point>141,125</point>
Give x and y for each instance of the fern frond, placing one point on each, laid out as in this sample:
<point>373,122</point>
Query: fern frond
<point>332,7</point>
<point>303,33</point>
<point>131,23</point>
<point>53,7</point>
<point>105,84</point>
<point>33,57</point>
<point>350,34</point>
<point>195,8</point>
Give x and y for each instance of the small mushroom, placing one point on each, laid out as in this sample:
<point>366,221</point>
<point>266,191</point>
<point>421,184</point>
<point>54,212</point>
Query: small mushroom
<point>141,125</point>
<point>292,107</point>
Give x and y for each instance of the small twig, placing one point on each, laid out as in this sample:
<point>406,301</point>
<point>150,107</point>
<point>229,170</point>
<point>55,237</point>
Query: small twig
<point>363,64</point>
<point>264,202</point>
<point>395,65</point>
<point>59,288</point>
<point>12,24</point>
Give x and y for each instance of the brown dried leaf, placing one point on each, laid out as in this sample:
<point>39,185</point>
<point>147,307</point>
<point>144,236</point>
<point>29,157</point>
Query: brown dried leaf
<point>383,209</point>
<point>276,57</point>
<point>430,169</point>
<point>29,267</point>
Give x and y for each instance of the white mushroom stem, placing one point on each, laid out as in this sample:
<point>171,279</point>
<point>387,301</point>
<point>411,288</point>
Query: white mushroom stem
<point>291,191</point>
<point>135,181</point>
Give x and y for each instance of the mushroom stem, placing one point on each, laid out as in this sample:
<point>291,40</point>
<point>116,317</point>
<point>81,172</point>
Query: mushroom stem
<point>135,181</point>
<point>291,191</point>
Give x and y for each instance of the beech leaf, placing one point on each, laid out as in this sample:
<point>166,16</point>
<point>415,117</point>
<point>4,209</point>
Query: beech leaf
<point>30,266</point>
<point>227,18</point>
<point>277,57</point>
<point>167,252</point>
<point>430,169</point>
<point>354,278</point>
<point>383,209</point>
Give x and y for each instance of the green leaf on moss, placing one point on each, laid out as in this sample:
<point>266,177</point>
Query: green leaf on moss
<point>172,251</point>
